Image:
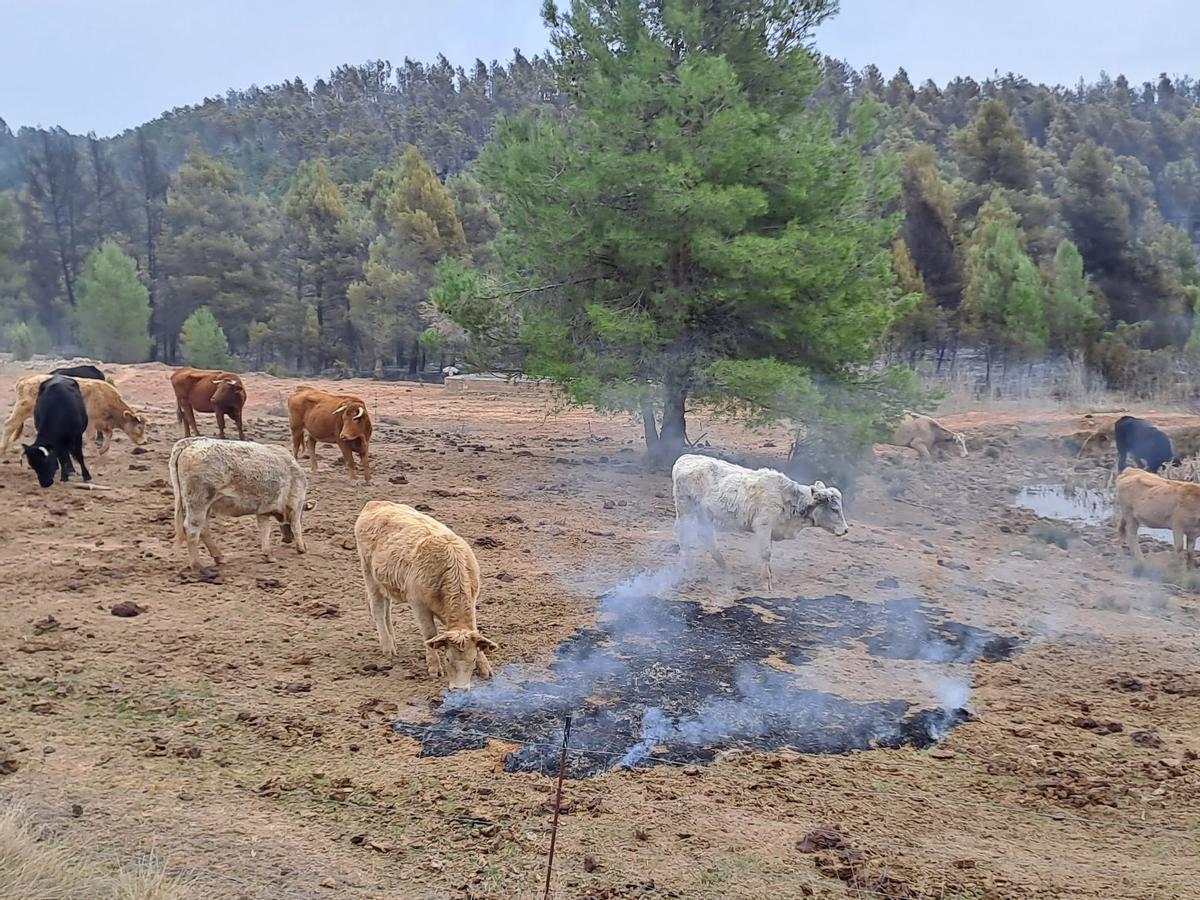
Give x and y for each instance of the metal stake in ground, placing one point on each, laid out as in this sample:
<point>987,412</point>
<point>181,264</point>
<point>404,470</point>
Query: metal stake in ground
<point>562,768</point>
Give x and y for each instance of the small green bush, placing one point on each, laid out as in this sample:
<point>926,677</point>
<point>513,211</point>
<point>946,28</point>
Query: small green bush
<point>20,340</point>
<point>1049,533</point>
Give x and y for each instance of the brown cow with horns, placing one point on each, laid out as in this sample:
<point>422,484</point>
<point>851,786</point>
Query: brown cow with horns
<point>315,415</point>
<point>202,390</point>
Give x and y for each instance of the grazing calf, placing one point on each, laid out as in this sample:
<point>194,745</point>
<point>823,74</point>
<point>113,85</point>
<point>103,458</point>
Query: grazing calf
<point>202,390</point>
<point>79,372</point>
<point>924,434</point>
<point>105,409</point>
<point>711,493</point>
<point>341,419</point>
<point>217,477</point>
<point>1147,499</point>
<point>1141,442</point>
<point>408,557</point>
<point>61,420</point>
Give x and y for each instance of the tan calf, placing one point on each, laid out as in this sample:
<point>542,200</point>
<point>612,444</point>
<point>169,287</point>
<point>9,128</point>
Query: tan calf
<point>408,557</point>
<point>924,434</point>
<point>1146,499</point>
<point>315,415</point>
<point>105,409</point>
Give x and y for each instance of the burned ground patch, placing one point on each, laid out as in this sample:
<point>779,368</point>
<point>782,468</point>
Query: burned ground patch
<point>666,681</point>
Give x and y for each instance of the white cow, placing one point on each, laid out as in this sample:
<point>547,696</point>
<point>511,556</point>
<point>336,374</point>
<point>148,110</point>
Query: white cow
<point>235,478</point>
<point>711,493</point>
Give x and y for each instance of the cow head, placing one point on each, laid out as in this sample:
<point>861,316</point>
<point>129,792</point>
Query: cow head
<point>229,392</point>
<point>42,461</point>
<point>826,509</point>
<point>354,421</point>
<point>134,426</point>
<point>961,440</point>
<point>461,647</point>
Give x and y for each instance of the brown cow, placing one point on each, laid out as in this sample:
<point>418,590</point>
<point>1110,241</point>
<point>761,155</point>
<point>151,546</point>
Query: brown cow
<point>106,411</point>
<point>1146,499</point>
<point>315,415</point>
<point>202,390</point>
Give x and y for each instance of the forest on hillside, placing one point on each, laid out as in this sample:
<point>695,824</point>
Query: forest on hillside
<point>314,222</point>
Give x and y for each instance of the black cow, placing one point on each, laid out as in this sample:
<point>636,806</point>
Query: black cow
<point>61,420</point>
<point>1140,441</point>
<point>79,372</point>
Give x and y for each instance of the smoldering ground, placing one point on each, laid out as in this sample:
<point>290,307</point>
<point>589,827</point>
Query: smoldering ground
<point>662,681</point>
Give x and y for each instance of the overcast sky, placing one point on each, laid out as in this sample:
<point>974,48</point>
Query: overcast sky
<point>107,66</point>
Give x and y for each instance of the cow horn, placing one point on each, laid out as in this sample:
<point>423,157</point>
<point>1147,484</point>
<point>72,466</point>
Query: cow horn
<point>216,381</point>
<point>340,409</point>
<point>45,451</point>
<point>362,411</point>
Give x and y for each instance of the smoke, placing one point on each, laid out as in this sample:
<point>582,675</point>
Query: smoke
<point>660,680</point>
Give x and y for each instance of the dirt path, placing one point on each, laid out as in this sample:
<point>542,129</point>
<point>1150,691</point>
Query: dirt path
<point>241,731</point>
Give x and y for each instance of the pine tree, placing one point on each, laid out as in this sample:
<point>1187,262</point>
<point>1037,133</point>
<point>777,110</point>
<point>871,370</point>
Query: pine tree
<point>325,240</point>
<point>1004,294</point>
<point>202,341</point>
<point>696,232</point>
<point>113,309</point>
<point>1071,317</point>
<point>992,149</point>
<point>219,250</point>
<point>420,226</point>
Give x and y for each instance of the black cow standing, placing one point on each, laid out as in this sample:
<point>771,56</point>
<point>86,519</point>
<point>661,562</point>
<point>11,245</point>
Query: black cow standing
<point>79,372</point>
<point>61,420</point>
<point>1140,441</point>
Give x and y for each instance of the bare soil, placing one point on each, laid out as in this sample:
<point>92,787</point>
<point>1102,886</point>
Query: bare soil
<point>241,729</point>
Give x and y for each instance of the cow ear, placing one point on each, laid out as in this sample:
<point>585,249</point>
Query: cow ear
<point>440,642</point>
<point>818,486</point>
<point>486,645</point>
<point>129,415</point>
<point>362,411</point>
<point>310,504</point>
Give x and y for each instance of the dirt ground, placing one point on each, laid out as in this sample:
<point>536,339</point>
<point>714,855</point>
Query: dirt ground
<point>241,731</point>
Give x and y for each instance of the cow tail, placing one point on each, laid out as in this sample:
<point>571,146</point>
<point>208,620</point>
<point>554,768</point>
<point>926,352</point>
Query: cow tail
<point>177,490</point>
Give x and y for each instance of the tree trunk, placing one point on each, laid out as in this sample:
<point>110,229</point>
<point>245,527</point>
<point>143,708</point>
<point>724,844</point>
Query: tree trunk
<point>672,436</point>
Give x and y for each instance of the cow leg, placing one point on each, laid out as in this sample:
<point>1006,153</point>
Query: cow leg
<point>195,529</point>
<point>366,469</point>
<point>764,552</point>
<point>237,418</point>
<point>1131,536</point>
<point>297,441</point>
<point>296,526</point>
<point>264,537</point>
<point>380,604</point>
<point>105,436</point>
<point>709,536</point>
<point>433,660</point>
<point>923,451</point>
<point>190,421</point>
<point>210,544</point>
<point>482,667</point>
<point>77,452</point>
<point>312,452</point>
<point>221,424</point>
<point>348,456</point>
<point>13,428</point>
<point>64,466</point>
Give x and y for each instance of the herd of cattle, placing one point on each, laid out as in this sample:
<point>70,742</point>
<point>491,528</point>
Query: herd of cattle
<point>410,558</point>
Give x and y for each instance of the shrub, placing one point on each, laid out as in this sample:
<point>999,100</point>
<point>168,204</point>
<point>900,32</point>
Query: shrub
<point>19,338</point>
<point>203,341</point>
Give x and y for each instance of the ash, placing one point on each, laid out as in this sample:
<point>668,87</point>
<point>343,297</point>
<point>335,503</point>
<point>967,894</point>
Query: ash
<point>667,682</point>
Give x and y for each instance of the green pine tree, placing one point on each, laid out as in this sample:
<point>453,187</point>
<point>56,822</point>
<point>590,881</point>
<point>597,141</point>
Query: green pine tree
<point>696,232</point>
<point>391,305</point>
<point>1071,317</point>
<point>1003,301</point>
<point>202,341</point>
<point>113,307</point>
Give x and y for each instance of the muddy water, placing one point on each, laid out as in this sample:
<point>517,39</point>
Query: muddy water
<point>1085,506</point>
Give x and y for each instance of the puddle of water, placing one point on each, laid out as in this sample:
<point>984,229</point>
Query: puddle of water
<point>1086,506</point>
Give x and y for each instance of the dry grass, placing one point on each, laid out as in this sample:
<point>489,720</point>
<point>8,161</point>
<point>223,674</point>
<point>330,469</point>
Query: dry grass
<point>33,867</point>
